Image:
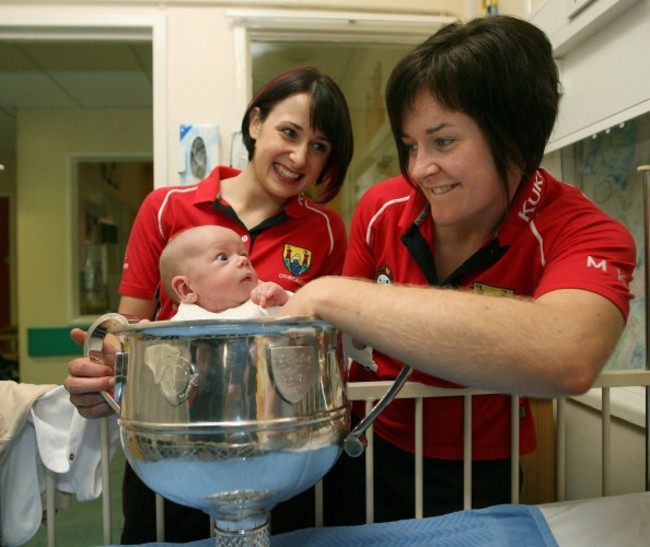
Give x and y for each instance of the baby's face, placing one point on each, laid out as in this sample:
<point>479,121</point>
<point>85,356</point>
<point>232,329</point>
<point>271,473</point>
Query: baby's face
<point>222,274</point>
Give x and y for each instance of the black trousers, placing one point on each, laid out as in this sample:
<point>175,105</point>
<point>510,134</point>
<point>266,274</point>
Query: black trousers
<point>182,524</point>
<point>394,491</point>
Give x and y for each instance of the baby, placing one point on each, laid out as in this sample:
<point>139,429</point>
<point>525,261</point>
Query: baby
<point>207,272</point>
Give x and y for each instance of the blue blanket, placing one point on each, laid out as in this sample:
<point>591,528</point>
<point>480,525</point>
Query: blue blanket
<point>501,525</point>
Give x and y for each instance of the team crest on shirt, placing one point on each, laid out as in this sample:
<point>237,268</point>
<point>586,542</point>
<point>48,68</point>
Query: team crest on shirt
<point>384,275</point>
<point>482,288</point>
<point>296,259</point>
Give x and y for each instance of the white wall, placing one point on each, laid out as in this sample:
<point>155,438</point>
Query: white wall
<point>604,64</point>
<point>584,448</point>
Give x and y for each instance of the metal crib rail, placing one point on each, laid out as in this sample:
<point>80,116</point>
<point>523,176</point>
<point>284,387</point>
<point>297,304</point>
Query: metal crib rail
<point>370,392</point>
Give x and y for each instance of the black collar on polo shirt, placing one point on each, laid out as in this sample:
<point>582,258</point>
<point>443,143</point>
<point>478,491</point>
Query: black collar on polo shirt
<point>227,210</point>
<point>419,248</point>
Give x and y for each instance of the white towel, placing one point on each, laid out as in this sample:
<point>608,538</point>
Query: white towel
<point>57,438</point>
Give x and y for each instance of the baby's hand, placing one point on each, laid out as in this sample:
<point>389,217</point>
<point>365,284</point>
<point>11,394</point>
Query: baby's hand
<point>268,294</point>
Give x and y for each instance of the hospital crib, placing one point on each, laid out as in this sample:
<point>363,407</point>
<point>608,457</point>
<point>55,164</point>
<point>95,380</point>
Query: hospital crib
<point>371,391</point>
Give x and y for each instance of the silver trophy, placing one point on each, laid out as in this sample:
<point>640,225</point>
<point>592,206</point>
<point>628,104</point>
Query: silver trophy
<point>230,417</point>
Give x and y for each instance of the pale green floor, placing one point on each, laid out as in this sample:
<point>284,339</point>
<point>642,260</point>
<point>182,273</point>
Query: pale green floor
<point>81,524</point>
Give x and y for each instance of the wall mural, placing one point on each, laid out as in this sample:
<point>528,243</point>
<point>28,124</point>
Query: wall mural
<point>604,166</point>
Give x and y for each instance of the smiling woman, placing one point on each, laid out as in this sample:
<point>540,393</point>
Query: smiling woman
<point>480,275</point>
<point>358,50</point>
<point>362,79</point>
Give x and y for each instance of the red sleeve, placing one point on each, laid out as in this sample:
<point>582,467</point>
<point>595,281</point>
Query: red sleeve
<point>595,253</point>
<point>360,258</point>
<point>334,264</point>
<point>140,273</point>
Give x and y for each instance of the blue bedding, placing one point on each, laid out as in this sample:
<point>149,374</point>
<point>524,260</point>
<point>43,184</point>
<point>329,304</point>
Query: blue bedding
<point>501,525</point>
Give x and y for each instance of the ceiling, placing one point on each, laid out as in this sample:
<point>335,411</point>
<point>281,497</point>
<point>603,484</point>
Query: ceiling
<point>58,74</point>
<point>75,74</point>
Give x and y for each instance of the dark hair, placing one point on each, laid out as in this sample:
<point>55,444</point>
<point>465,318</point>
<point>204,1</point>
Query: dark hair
<point>499,70</point>
<point>329,114</point>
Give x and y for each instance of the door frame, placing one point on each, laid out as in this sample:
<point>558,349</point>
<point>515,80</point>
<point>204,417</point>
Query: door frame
<point>7,296</point>
<point>314,25</point>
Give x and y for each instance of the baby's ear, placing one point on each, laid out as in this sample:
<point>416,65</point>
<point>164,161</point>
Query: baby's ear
<point>183,290</point>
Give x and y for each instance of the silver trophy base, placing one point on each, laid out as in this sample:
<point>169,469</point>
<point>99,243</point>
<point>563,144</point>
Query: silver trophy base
<point>258,537</point>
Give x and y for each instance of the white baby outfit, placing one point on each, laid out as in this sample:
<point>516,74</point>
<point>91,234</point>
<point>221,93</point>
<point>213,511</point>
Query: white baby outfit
<point>40,430</point>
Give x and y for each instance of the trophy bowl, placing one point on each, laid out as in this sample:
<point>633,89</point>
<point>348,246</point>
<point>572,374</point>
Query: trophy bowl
<point>230,417</point>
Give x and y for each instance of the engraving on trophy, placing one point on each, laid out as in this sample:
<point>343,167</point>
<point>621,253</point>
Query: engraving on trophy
<point>178,378</point>
<point>293,370</point>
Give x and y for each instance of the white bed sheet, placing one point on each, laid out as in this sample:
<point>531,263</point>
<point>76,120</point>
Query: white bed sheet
<point>622,520</point>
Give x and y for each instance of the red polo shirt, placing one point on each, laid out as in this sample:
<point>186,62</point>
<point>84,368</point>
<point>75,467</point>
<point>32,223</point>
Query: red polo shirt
<point>553,238</point>
<point>305,240</point>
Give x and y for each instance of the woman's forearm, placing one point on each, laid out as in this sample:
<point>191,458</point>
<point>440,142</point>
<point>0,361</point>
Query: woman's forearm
<point>555,345</point>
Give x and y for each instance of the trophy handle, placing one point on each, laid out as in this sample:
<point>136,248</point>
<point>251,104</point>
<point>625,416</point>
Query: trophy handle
<point>94,347</point>
<point>355,443</point>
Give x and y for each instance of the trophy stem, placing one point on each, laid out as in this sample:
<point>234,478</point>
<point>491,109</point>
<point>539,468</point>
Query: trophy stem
<point>256,537</point>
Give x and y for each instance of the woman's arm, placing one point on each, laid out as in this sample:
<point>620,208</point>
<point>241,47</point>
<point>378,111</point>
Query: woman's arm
<point>555,345</point>
<point>137,307</point>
